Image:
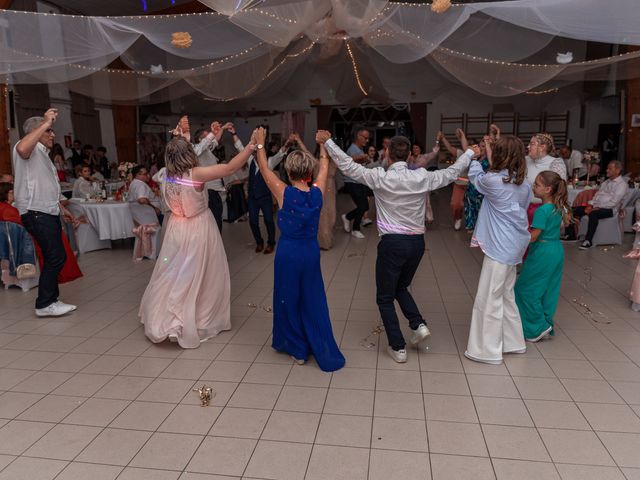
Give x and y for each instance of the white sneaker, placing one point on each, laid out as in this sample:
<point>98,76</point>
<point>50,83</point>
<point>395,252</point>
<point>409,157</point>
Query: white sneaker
<point>366,222</point>
<point>400,356</point>
<point>298,361</point>
<point>585,245</point>
<point>346,223</point>
<point>56,309</point>
<point>542,336</point>
<point>419,334</point>
<point>458,224</point>
<point>357,234</point>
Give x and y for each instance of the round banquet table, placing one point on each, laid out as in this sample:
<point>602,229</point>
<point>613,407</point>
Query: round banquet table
<point>111,220</point>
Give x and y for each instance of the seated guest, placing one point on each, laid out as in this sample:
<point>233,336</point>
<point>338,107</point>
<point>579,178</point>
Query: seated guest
<point>76,154</point>
<point>82,187</point>
<point>102,162</point>
<point>87,155</point>
<point>605,204</point>
<point>8,213</point>
<point>57,157</point>
<point>140,191</point>
<point>574,160</point>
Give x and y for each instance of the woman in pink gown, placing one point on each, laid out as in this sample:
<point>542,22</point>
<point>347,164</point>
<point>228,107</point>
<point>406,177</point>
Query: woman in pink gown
<point>189,294</point>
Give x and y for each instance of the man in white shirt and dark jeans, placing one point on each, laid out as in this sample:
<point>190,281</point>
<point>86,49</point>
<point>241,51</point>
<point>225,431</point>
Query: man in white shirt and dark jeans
<point>37,198</point>
<point>605,204</point>
<point>207,141</point>
<point>400,203</point>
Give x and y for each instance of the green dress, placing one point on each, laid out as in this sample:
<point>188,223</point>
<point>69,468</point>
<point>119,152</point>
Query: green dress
<point>538,287</point>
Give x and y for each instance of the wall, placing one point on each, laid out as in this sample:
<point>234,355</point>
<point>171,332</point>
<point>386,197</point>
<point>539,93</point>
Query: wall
<point>597,111</point>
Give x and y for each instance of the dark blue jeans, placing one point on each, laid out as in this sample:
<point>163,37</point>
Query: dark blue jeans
<point>47,231</point>
<point>358,194</point>
<point>397,262</point>
<point>215,205</point>
<point>594,218</point>
<point>266,205</point>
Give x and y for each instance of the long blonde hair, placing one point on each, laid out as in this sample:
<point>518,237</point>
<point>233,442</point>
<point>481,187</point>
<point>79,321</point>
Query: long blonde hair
<point>179,157</point>
<point>559,195</point>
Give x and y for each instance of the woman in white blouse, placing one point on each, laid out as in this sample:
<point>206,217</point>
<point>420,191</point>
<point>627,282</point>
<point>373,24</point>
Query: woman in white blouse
<point>540,159</point>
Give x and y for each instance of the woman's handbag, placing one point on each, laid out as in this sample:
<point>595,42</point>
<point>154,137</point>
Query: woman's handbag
<point>25,270</point>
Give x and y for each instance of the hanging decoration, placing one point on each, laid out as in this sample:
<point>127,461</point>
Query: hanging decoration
<point>181,39</point>
<point>440,6</point>
<point>245,46</point>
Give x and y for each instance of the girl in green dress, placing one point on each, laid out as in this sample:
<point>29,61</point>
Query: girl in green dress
<point>538,287</point>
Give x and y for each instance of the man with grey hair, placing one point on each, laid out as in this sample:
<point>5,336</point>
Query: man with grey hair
<point>605,204</point>
<point>37,198</point>
<point>400,203</point>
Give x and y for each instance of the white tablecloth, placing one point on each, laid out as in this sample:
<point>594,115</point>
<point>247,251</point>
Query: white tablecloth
<point>111,220</point>
<point>572,193</point>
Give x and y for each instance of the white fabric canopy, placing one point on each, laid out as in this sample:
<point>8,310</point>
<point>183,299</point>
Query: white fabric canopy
<point>245,46</point>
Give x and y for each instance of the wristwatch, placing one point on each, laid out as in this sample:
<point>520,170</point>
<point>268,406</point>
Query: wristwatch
<point>259,146</point>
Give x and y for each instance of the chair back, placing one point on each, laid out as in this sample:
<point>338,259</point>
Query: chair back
<point>143,214</point>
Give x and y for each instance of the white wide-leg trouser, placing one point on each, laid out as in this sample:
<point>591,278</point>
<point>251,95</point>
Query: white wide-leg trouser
<point>496,327</point>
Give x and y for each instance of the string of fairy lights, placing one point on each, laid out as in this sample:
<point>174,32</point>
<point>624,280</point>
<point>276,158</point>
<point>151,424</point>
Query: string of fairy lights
<point>407,36</point>
<point>356,70</point>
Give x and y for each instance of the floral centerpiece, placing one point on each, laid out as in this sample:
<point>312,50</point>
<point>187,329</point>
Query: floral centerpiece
<point>124,171</point>
<point>592,158</point>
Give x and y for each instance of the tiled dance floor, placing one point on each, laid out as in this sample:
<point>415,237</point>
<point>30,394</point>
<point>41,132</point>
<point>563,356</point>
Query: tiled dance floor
<point>88,397</point>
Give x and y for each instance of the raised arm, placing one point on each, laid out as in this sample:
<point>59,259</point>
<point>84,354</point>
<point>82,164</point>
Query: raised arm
<point>450,148</point>
<point>206,174</point>
<point>210,141</point>
<point>345,163</point>
<point>303,147</point>
<point>26,145</point>
<point>323,170</point>
<point>463,139</point>
<point>276,186</point>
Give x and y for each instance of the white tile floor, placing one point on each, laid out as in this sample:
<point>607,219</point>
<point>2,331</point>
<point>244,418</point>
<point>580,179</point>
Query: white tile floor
<point>87,396</point>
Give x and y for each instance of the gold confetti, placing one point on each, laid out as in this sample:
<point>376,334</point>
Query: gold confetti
<point>206,394</point>
<point>368,341</point>
<point>588,313</point>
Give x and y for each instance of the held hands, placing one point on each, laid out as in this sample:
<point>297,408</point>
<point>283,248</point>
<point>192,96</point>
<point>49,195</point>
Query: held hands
<point>230,127</point>
<point>460,134</point>
<point>260,135</point>
<point>488,145</point>
<point>216,128</point>
<point>494,131</point>
<point>322,136</point>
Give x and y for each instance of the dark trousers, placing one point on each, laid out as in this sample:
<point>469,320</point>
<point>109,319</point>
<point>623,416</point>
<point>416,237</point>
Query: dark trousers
<point>236,202</point>
<point>594,217</point>
<point>358,194</point>
<point>47,231</point>
<point>215,205</point>
<point>397,262</point>
<point>264,204</point>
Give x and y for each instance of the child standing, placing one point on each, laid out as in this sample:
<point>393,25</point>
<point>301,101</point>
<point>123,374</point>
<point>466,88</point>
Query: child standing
<point>538,286</point>
<point>502,234</point>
